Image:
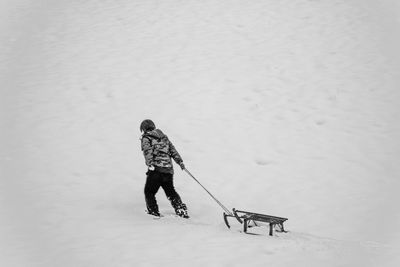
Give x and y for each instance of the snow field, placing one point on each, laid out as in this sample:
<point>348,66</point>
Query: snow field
<point>288,108</point>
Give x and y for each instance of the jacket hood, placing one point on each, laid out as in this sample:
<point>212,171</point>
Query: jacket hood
<point>156,133</point>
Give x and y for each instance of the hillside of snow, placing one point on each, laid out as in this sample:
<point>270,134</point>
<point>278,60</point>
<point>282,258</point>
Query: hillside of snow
<point>288,108</point>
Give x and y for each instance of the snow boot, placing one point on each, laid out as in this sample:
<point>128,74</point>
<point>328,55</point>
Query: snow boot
<point>153,210</point>
<point>180,208</point>
<point>154,213</point>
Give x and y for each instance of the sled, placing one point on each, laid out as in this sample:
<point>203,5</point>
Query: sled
<point>246,218</point>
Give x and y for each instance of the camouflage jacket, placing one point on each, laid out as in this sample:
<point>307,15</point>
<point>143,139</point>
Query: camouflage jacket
<point>158,151</point>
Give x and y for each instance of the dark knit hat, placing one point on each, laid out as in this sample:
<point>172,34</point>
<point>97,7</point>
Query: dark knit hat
<point>147,125</point>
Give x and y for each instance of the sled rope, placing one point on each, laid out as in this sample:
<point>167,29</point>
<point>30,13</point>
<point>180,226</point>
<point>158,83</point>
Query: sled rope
<point>216,200</point>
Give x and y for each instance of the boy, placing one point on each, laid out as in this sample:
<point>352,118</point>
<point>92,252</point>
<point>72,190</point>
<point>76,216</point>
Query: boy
<point>158,151</point>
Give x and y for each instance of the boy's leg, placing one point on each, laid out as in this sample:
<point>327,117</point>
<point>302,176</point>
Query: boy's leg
<point>151,187</point>
<point>173,196</point>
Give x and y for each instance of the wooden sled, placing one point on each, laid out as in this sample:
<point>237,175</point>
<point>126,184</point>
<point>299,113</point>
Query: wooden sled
<point>246,217</point>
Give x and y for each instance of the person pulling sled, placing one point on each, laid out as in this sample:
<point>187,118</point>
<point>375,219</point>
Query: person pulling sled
<point>158,152</point>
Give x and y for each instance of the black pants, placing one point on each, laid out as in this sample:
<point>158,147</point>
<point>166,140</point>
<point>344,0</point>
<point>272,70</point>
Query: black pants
<point>154,181</point>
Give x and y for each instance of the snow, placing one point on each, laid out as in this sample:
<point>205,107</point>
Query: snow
<point>289,108</point>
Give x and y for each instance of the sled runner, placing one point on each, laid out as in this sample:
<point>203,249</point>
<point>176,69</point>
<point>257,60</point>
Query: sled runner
<point>246,217</point>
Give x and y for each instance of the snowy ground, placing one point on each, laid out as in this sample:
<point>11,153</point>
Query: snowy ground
<point>289,108</point>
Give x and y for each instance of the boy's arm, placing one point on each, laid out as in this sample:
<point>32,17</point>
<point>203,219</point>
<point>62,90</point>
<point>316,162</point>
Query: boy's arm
<point>147,151</point>
<point>174,153</point>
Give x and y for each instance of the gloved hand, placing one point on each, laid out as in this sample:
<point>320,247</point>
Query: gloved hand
<point>151,168</point>
<point>182,165</point>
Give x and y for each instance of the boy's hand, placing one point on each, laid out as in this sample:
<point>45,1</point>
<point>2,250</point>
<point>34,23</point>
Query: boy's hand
<point>182,165</point>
